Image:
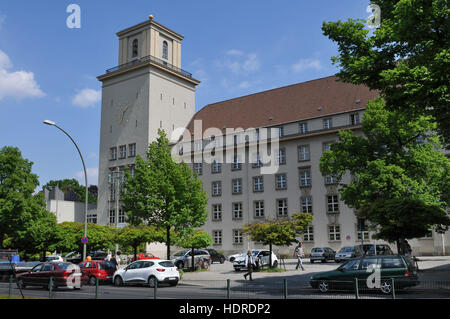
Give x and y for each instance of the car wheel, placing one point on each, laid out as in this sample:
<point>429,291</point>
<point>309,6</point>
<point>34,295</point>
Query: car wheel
<point>20,284</point>
<point>118,281</point>
<point>92,281</point>
<point>152,281</point>
<point>324,286</point>
<point>386,287</point>
<point>222,260</point>
<point>180,265</point>
<point>337,261</point>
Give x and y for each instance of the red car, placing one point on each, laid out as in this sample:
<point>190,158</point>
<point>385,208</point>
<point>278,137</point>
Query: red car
<point>63,275</point>
<point>143,256</point>
<point>101,269</point>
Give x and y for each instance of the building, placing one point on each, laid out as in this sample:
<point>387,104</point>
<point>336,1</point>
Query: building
<point>149,90</point>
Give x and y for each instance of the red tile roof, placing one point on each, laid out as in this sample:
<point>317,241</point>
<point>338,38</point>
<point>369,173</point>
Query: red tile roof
<point>286,104</point>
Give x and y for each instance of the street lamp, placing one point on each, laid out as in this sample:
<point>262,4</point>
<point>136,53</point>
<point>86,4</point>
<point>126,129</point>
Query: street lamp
<point>51,123</point>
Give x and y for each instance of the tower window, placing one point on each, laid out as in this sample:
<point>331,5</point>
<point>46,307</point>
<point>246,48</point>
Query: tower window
<point>165,50</point>
<point>135,48</point>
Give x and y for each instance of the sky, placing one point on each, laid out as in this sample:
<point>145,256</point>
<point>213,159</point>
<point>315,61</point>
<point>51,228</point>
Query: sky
<point>48,71</point>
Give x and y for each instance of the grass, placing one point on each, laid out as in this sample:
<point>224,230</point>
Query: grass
<point>273,270</point>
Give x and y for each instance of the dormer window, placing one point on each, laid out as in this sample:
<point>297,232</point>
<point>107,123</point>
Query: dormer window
<point>165,50</point>
<point>135,48</point>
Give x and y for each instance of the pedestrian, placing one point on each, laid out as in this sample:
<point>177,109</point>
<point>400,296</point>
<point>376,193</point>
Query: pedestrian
<point>108,257</point>
<point>299,253</point>
<point>118,259</point>
<point>114,261</point>
<point>249,263</point>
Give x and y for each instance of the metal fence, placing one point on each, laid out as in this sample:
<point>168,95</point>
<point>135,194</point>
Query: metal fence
<point>279,288</point>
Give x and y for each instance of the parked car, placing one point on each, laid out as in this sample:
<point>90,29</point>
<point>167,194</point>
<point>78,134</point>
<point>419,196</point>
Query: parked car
<point>73,257</point>
<point>40,276</point>
<point>348,252</point>
<point>400,268</point>
<point>97,269</point>
<point>148,272</point>
<point>145,256</point>
<point>322,253</point>
<point>262,258</point>
<point>215,256</point>
<point>231,258</point>
<point>54,258</point>
<point>382,249</point>
<point>98,255</point>
<point>183,259</point>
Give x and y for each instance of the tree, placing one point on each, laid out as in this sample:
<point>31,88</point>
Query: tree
<point>195,239</point>
<point>134,236</point>
<point>278,232</point>
<point>17,203</point>
<point>399,174</point>
<point>164,193</point>
<point>407,58</point>
<point>70,234</point>
<point>71,185</point>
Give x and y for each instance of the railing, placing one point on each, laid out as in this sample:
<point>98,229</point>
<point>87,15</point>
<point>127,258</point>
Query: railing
<point>153,59</point>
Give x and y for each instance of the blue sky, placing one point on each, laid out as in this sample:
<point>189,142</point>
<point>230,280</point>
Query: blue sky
<point>48,71</point>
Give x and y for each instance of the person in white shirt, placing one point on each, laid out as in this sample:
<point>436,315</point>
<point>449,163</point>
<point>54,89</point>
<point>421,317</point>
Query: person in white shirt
<point>249,262</point>
<point>299,253</point>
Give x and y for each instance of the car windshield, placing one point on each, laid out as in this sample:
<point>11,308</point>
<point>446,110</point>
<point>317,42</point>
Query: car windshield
<point>347,250</point>
<point>352,264</point>
<point>167,264</point>
<point>317,250</point>
<point>62,265</point>
<point>255,252</point>
<point>181,253</point>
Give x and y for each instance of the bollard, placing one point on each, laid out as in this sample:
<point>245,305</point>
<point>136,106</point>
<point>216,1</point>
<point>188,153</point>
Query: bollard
<point>96,287</point>
<point>393,288</point>
<point>285,288</point>
<point>10,286</point>
<point>155,289</point>
<point>50,288</point>
<point>356,289</point>
<point>228,288</point>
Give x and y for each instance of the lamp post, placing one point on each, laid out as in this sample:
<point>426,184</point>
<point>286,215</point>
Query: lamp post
<point>51,123</point>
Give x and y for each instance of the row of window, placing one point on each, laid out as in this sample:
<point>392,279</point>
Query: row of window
<point>112,216</point>
<point>135,49</point>
<point>334,234</point>
<point>121,151</point>
<point>281,207</point>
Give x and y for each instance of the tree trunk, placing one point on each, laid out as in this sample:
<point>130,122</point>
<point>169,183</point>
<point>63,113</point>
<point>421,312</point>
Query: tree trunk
<point>192,259</point>
<point>168,242</point>
<point>135,252</point>
<point>270,257</point>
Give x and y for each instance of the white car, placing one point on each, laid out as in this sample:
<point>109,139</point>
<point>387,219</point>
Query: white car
<point>231,258</point>
<point>148,272</point>
<point>262,258</point>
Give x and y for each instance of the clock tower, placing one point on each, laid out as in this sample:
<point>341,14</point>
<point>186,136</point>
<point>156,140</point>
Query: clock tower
<point>148,90</point>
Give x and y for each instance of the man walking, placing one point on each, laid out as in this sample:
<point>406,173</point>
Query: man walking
<point>249,262</point>
<point>299,252</point>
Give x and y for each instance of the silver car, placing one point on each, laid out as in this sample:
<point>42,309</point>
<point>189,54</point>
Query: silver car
<point>348,252</point>
<point>322,253</point>
<point>183,259</point>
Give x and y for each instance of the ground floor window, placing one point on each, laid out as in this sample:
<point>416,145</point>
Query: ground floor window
<point>334,232</point>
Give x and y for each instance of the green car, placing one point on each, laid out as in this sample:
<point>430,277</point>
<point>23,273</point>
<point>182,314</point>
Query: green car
<point>392,268</point>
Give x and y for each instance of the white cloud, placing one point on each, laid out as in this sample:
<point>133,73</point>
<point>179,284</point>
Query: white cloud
<point>92,174</point>
<point>87,98</point>
<point>244,85</point>
<point>18,84</point>
<point>304,64</point>
<point>252,63</point>
<point>234,52</point>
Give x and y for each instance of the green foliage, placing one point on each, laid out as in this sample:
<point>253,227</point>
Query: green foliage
<point>407,59</point>
<point>164,193</point>
<point>70,234</point>
<point>71,184</point>
<point>134,236</point>
<point>396,165</point>
<point>195,239</point>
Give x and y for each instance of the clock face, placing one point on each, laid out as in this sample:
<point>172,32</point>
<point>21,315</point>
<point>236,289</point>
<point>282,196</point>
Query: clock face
<point>124,113</point>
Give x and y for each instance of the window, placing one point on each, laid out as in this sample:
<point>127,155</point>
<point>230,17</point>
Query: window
<point>135,47</point>
<point>198,168</point>
<point>330,179</point>
<point>281,156</point>
<point>282,207</point>
<point>256,160</point>
<point>236,163</point>
<point>112,216</point>
<point>217,212</point>
<point>391,262</point>
<point>280,181</point>
<point>198,146</point>
<point>258,184</point>
<point>113,152</point>
<point>217,237</point>
<point>237,211</point>
<point>217,188</point>
<point>165,50</point>
<point>92,218</point>
<point>259,208</point>
<point>235,139</point>
<point>303,153</point>
<point>237,236</point>
<point>334,233</point>
<point>326,146</point>
<point>303,128</point>
<point>364,234</point>
<point>333,204</point>
<point>237,186</point>
<point>216,167</point>
<point>121,216</point>
<point>281,131</point>
<point>112,191</point>
<point>369,263</point>
<point>122,151</point>
<point>132,150</point>
<point>306,204</point>
<point>327,124</point>
<point>308,235</point>
<point>354,119</point>
<point>132,170</point>
<point>305,178</point>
